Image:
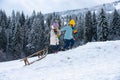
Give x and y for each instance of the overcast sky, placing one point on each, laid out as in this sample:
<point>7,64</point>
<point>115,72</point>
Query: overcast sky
<point>47,6</point>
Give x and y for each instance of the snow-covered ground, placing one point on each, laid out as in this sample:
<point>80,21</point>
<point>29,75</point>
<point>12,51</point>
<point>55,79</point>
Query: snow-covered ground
<point>93,61</point>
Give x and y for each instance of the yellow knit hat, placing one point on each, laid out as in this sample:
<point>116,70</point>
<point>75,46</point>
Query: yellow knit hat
<point>72,22</point>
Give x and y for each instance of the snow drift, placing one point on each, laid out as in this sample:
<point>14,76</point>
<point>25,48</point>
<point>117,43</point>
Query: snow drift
<point>93,61</point>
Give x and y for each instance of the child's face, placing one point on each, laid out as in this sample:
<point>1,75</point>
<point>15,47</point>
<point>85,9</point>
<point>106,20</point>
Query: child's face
<point>71,25</point>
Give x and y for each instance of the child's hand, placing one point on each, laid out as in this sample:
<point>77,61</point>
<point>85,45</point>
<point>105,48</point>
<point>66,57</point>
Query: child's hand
<point>59,33</point>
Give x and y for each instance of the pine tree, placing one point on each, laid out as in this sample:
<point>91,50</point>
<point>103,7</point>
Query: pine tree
<point>11,32</point>
<point>37,32</point>
<point>3,19</point>
<point>94,27</point>
<point>3,39</point>
<point>48,20</point>
<point>115,26</point>
<point>8,31</point>
<point>3,27</point>
<point>18,37</point>
<point>102,27</point>
<point>23,30</point>
<point>26,31</point>
<point>80,29</point>
<point>88,27</point>
<point>22,19</point>
<point>18,43</point>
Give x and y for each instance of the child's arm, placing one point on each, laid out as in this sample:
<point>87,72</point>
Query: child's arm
<point>63,29</point>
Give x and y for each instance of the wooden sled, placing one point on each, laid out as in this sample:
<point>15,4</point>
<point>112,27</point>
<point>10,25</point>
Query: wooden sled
<point>41,54</point>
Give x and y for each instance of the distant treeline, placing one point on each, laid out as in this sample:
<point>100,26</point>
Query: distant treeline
<point>22,35</point>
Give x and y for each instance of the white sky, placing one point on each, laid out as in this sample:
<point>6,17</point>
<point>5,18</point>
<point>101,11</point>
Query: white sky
<point>46,6</point>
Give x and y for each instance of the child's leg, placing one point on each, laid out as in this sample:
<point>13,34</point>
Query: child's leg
<point>71,43</point>
<point>56,48</point>
<point>67,43</point>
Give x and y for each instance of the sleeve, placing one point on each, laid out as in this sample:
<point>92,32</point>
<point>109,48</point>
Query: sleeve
<point>63,29</point>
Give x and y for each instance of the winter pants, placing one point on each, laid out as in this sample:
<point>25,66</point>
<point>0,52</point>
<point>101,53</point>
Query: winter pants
<point>68,43</point>
<point>53,48</point>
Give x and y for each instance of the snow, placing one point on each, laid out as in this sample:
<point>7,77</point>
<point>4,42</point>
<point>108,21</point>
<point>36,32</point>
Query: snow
<point>110,12</point>
<point>117,6</point>
<point>93,61</point>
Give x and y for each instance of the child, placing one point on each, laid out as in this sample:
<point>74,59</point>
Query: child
<point>69,39</point>
<point>54,37</point>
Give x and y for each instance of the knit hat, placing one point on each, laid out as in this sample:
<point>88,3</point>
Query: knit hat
<point>55,24</point>
<point>72,22</point>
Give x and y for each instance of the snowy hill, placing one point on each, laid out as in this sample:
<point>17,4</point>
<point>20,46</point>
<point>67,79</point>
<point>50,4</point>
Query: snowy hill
<point>93,61</point>
<point>108,7</point>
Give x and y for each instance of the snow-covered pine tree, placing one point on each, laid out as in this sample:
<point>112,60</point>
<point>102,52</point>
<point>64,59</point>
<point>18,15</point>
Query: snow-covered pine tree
<point>88,27</point>
<point>22,19</point>
<point>80,28</point>
<point>48,19</point>
<point>37,32</point>
<point>102,27</point>
<point>3,26</point>
<point>94,22</point>
<point>30,34</point>
<point>11,27</point>
<point>115,26</point>
<point>23,29</point>
<point>74,17</point>
<point>18,38</point>
<point>3,35</point>
<point>17,43</point>
<point>8,31</point>
<point>27,29</point>
<point>3,39</point>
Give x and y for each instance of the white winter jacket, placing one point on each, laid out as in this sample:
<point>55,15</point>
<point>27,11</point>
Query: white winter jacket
<point>53,38</point>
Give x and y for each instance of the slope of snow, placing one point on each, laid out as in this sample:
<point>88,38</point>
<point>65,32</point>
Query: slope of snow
<point>93,61</point>
<point>108,7</point>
